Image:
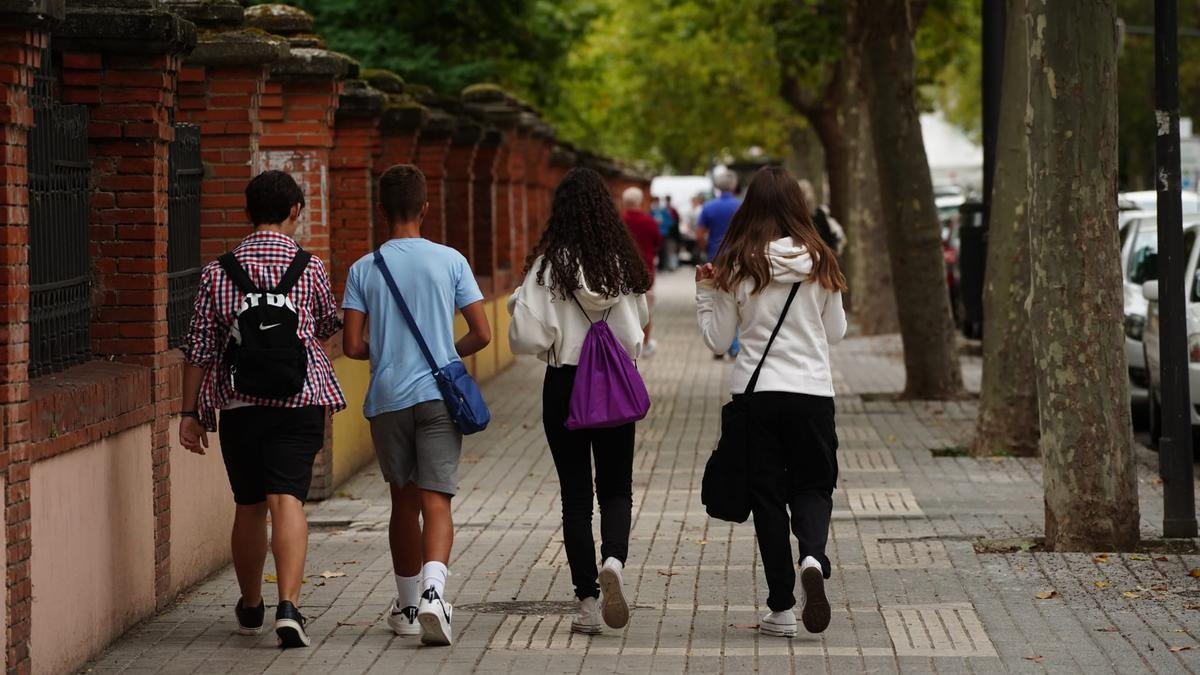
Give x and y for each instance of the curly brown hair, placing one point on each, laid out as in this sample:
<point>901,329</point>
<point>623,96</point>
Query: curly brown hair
<point>586,231</point>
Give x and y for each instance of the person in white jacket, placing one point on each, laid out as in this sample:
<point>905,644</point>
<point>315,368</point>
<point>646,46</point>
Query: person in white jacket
<point>771,246</point>
<point>585,268</point>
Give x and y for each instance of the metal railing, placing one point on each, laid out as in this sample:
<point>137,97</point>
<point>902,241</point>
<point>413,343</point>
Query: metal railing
<point>185,174</point>
<point>60,303</point>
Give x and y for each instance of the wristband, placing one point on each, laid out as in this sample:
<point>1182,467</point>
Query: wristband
<point>190,413</point>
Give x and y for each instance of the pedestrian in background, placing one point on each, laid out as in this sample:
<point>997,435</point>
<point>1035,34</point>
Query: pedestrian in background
<point>416,441</point>
<point>670,251</point>
<point>711,226</point>
<point>585,268</point>
<point>827,226</point>
<point>647,235</point>
<point>774,273</point>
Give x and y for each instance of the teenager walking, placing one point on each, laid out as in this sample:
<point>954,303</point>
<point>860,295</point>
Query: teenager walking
<point>773,258</point>
<point>585,268</point>
<point>416,441</point>
<point>254,353</point>
<point>647,236</point>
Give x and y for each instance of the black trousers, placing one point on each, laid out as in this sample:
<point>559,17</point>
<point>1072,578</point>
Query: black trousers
<point>792,467</point>
<point>573,451</point>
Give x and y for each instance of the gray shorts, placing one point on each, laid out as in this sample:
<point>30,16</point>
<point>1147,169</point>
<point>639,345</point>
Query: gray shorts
<point>418,444</point>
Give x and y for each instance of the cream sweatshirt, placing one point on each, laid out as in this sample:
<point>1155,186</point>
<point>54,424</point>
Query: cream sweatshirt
<point>553,328</point>
<point>799,359</point>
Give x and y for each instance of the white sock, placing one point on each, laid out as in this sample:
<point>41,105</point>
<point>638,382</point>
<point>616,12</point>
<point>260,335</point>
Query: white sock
<point>409,589</point>
<point>810,561</point>
<point>434,575</point>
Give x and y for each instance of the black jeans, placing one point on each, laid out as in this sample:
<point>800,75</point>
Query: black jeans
<point>792,465</point>
<point>573,452</point>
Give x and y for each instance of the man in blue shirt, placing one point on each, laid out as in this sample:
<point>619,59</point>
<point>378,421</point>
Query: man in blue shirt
<point>714,221</point>
<point>717,213</point>
<point>416,442</point>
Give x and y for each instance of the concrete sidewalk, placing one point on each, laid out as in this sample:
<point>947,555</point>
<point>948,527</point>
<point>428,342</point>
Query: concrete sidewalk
<point>910,593</point>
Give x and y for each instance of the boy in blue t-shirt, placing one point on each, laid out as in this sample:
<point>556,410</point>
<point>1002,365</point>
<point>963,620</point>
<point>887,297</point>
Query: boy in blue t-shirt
<point>416,442</point>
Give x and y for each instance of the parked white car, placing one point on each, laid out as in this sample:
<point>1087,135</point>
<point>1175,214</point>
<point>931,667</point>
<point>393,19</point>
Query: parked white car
<point>1139,239</point>
<point>1147,200</point>
<point>1191,233</point>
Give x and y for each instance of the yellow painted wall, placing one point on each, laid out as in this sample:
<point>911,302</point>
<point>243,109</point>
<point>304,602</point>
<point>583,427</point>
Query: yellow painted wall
<point>460,329</point>
<point>352,446</point>
<point>504,355</point>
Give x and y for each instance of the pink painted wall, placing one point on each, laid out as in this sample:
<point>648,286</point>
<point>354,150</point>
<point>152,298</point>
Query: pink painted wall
<point>93,548</point>
<point>201,513</point>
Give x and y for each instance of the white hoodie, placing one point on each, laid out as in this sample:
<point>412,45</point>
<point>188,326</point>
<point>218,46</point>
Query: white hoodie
<point>799,359</point>
<point>553,328</point>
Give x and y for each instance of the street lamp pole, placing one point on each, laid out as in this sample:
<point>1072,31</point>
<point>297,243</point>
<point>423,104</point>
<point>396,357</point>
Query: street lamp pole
<point>1175,446</point>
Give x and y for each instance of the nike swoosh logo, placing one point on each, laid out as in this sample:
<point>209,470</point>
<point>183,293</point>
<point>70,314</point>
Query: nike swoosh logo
<point>263,326</point>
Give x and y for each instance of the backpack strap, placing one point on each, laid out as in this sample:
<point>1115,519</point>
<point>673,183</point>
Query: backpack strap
<point>293,273</point>
<point>237,273</point>
<point>607,312</point>
<point>779,324</point>
<point>408,317</point>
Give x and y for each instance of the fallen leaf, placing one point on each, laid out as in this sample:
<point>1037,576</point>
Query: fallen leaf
<point>1046,595</point>
<point>1174,650</point>
<point>1101,584</point>
<point>667,573</point>
<point>1131,595</point>
<point>702,541</point>
<point>1160,588</point>
<point>1195,573</point>
<point>1035,659</point>
<point>748,626</point>
<point>319,583</point>
<point>1162,558</point>
<point>270,578</point>
<point>1101,558</point>
<point>1192,605</point>
<point>1110,629</point>
<point>1139,556</point>
<point>331,575</point>
<point>344,495</point>
<point>346,623</point>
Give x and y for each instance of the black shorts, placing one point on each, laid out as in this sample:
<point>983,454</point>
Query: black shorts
<point>270,451</point>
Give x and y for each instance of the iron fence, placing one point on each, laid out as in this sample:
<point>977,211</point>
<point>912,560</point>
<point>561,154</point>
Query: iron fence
<point>185,174</point>
<point>60,303</point>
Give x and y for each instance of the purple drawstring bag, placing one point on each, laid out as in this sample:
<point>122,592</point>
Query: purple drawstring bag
<point>609,391</point>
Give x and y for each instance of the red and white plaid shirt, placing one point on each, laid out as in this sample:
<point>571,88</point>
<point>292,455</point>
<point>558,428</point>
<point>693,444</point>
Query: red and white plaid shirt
<point>265,255</point>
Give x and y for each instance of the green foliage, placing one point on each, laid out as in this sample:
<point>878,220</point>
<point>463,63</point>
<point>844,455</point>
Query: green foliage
<point>449,44</point>
<point>950,62</point>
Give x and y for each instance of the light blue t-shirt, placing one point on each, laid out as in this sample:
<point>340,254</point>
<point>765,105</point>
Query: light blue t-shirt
<point>436,281</point>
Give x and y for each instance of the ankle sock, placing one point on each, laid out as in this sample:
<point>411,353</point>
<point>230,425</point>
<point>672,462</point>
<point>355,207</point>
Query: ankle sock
<point>409,590</point>
<point>810,561</point>
<point>434,574</point>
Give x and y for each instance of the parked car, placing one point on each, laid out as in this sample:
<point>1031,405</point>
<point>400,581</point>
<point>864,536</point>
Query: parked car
<point>1139,241</point>
<point>1147,200</point>
<point>1150,342</point>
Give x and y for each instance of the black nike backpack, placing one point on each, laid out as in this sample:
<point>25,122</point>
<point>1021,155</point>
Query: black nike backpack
<point>266,357</point>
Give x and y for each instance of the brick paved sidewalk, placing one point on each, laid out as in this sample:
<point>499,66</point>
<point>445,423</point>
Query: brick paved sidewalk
<point>910,593</point>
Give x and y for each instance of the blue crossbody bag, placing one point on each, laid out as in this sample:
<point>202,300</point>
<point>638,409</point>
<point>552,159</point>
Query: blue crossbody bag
<point>459,390</point>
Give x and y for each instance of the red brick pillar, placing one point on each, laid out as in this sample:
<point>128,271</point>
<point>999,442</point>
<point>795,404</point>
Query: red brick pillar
<point>352,164</point>
<point>23,37</point>
<point>460,187</point>
<point>518,162</point>
<point>433,149</point>
<point>128,78</point>
<point>220,90</point>
<point>483,209</point>
<point>400,131</point>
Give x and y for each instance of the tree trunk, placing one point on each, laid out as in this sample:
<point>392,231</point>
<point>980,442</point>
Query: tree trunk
<point>826,123</point>
<point>1076,300</point>
<point>914,235</point>
<point>807,158</point>
<point>1008,404</point>
<point>871,296</point>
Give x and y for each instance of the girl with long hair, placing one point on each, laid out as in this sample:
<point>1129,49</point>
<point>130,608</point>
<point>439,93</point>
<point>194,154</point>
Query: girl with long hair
<point>773,258</point>
<point>585,268</point>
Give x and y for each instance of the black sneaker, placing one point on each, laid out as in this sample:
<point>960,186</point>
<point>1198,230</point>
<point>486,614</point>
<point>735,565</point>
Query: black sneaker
<point>289,626</point>
<point>250,621</point>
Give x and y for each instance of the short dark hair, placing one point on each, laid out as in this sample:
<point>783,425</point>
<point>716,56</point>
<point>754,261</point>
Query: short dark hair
<point>402,193</point>
<point>270,197</point>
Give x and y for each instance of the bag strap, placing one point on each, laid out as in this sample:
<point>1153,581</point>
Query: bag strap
<point>293,273</point>
<point>779,324</point>
<point>408,317</point>
<point>237,274</point>
<point>607,312</point>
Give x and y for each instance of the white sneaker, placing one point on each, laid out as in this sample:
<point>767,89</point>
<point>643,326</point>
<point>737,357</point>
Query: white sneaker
<point>778,624</point>
<point>649,348</point>
<point>614,607</point>
<point>434,616</point>
<point>815,613</point>
<point>403,620</point>
<point>587,621</point>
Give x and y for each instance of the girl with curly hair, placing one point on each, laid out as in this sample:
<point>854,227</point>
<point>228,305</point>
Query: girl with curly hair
<point>585,268</point>
<point>777,282</point>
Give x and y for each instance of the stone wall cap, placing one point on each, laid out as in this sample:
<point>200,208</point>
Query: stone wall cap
<point>130,26</point>
<point>303,63</point>
<point>486,92</point>
<point>500,115</point>
<point>438,125</point>
<point>360,100</point>
<point>302,40</point>
<point>467,132</point>
<point>383,80</point>
<point>237,48</point>
<point>32,12</point>
<point>403,116</point>
<point>280,19</point>
<point>209,13</point>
